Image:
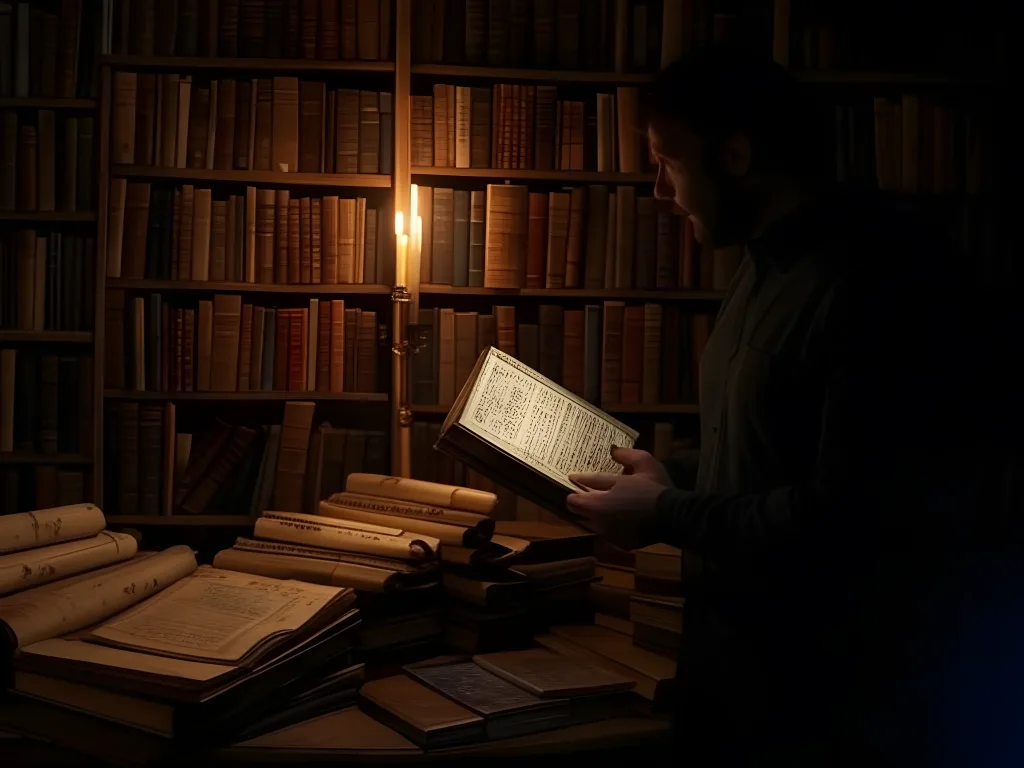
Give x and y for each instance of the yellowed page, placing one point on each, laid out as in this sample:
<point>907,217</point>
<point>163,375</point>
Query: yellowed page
<point>32,567</point>
<point>539,423</point>
<point>446,534</point>
<point>119,658</point>
<point>58,608</point>
<point>309,569</point>
<point>385,506</point>
<point>319,531</point>
<point>216,615</point>
<point>320,553</point>
<point>49,526</point>
<point>422,492</point>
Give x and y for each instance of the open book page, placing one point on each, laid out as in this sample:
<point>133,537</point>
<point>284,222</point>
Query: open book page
<point>49,526</point>
<point>216,615</point>
<point>65,606</point>
<point>125,660</point>
<point>32,567</point>
<point>537,422</point>
<point>351,536</point>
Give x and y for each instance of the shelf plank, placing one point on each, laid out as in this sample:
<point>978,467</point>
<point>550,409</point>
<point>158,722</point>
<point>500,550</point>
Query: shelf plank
<point>44,458</point>
<point>218,287</point>
<point>574,293</point>
<point>358,180</point>
<point>242,521</point>
<point>534,175</point>
<point>34,102</point>
<point>50,337</point>
<point>657,409</point>
<point>247,64</point>
<point>352,397</point>
<point>49,217</point>
<point>547,75</point>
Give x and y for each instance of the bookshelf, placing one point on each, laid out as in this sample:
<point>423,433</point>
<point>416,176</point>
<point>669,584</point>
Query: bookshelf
<point>594,177</point>
<point>251,397</point>
<point>365,181</point>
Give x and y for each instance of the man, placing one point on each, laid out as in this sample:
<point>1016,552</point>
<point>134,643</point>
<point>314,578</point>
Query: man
<point>827,491</point>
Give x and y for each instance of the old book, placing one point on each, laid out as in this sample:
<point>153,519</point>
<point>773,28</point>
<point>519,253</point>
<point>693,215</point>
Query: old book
<point>291,461</point>
<point>366,352</point>
<point>346,536</point>
<point>43,527</point>
<point>414,510</point>
<point>419,713</point>
<point>500,439</point>
<point>41,565</point>
<point>123,120</point>
<point>421,492</point>
<point>506,235</point>
<point>88,598</point>
<point>227,317</point>
<point>548,675</point>
<point>339,509</point>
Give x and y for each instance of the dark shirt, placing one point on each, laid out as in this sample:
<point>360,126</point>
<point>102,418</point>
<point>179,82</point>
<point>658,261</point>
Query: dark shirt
<point>830,429</point>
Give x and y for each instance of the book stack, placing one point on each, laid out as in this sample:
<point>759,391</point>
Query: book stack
<point>529,575</point>
<point>594,237</point>
<point>381,536</point>
<point>328,30</point>
<point>656,607</point>
<point>223,345</point>
<point>452,700</point>
<point>231,651</point>
<point>46,281</point>
<point>265,236</point>
<point>615,354</point>
<point>48,162</point>
<point>526,127</point>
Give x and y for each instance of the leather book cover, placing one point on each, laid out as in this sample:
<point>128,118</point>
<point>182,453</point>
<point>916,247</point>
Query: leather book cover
<point>338,355</point>
<point>227,318</point>
<point>632,355</point>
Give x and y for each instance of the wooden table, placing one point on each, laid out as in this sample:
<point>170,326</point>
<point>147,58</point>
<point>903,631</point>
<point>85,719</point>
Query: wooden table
<point>54,736</point>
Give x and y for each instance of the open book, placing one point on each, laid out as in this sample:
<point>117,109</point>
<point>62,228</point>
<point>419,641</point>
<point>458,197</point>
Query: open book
<point>528,434</point>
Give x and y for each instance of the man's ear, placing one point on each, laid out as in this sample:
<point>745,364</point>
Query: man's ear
<point>735,154</point>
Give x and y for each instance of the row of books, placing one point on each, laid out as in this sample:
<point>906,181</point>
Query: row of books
<point>45,402</point>
<point>291,29</point>
<point>612,354</point>
<point>225,468</point>
<point>224,345</point>
<point>562,34</point>
<point>46,281</point>
<point>48,162</point>
<point>584,237</point>
<point>912,144</point>
<point>265,236</point>
<point>518,126</point>
<point>266,124</point>
<point>48,50</point>
<point>27,487</point>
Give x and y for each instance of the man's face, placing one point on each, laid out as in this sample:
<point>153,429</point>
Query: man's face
<point>703,183</point>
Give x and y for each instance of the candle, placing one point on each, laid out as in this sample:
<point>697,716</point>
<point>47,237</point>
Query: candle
<point>403,259</point>
<point>414,202</point>
<point>399,223</point>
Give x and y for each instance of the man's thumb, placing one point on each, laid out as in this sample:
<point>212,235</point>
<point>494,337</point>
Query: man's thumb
<point>634,460</point>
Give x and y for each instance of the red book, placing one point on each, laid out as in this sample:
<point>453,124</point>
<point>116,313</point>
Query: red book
<point>281,349</point>
<point>323,348</point>
<point>298,318</point>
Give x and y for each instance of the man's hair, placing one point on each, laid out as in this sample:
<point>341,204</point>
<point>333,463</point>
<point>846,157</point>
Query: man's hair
<point>722,90</point>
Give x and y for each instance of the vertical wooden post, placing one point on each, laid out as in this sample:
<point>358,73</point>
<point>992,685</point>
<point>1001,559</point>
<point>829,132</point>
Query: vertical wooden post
<point>403,295</point>
<point>100,285</point>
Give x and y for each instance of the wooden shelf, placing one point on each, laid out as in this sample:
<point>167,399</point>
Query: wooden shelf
<point>353,397</point>
<point>533,175</point>
<point>242,521</point>
<point>218,287</point>
<point>49,217</point>
<point>33,102</point>
<point>50,337</point>
<point>660,409</point>
<point>43,458</point>
<point>253,65</point>
<point>427,289</point>
<point>364,180</point>
<point>546,75</point>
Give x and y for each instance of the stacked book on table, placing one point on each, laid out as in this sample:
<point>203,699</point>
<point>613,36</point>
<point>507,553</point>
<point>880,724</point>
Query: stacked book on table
<point>159,644</point>
<point>529,574</point>
<point>455,700</point>
<point>382,537</point>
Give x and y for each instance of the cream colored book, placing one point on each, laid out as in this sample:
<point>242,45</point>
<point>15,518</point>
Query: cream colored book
<point>80,601</point>
<point>221,616</point>
<point>422,492</point>
<point>444,533</point>
<point>348,536</point>
<point>26,530</point>
<point>439,514</point>
<point>528,434</point>
<point>33,567</point>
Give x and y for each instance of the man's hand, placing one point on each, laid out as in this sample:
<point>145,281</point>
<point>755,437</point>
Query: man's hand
<point>622,506</point>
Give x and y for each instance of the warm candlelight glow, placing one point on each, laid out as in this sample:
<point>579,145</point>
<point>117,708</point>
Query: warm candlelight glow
<point>403,259</point>
<point>414,202</point>
<point>399,223</point>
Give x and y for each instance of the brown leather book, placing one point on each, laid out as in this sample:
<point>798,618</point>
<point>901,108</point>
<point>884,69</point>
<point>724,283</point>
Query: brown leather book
<point>281,237</point>
<point>337,346</point>
<point>198,122</point>
<point>227,318</point>
<point>323,347</point>
<point>612,351</point>
<point>201,226</point>
<point>440,127</point>
<point>285,142</point>
<point>574,240</point>
<point>644,255</point>
<point>305,241</point>
<point>227,111</point>
<point>351,349</point>
<point>150,440</point>
<point>264,240</point>
<point>170,440</point>
<point>221,240</point>
<point>347,236</point>
<point>313,98</point>
<point>625,236</point>
<point>349,30</point>
<point>443,258</point>
<point>537,240</point>
<point>311,24</point>
<point>244,115</point>
<point>311,334</point>
<point>632,355</point>
<point>315,241</point>
<point>666,260</point>
<point>369,132</point>
<point>506,236</point>
<point>185,232</point>
<point>347,126</point>
<point>422,131</point>
<point>506,321</point>
<point>226,461</point>
<point>552,324</point>
<point>294,242</point>
<point>244,349</point>
<point>188,345</point>
<point>359,251</point>
<point>558,239</point>
<point>466,348</point>
<point>165,150</point>
<point>281,350</point>
<point>423,716</point>
<point>262,130</point>
<point>298,320</point>
<point>122,148</point>
<point>366,357</point>
<point>330,240</point>
<point>204,350</point>
<point>255,351</point>
<point>135,228</point>
<point>652,354</point>
<point>128,445</point>
<point>289,478</point>
<point>572,346</point>
<point>446,358</point>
